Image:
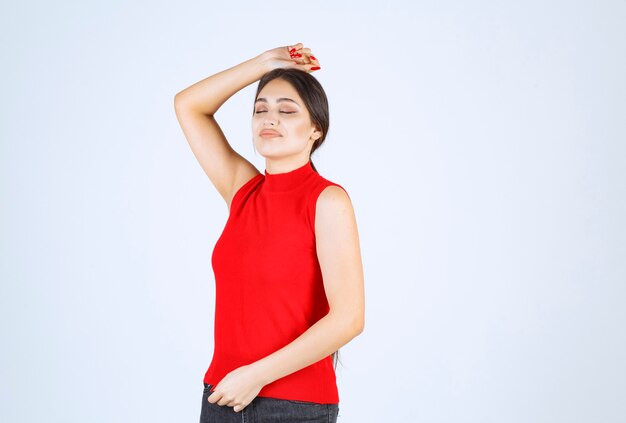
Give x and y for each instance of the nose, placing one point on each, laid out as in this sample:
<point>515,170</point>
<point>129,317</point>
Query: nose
<point>270,118</point>
<point>271,122</point>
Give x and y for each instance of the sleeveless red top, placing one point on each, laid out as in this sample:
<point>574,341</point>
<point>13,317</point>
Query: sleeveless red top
<point>268,282</point>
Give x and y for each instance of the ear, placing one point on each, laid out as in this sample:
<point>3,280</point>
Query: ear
<point>318,132</point>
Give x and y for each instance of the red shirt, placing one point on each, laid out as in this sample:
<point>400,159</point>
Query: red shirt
<point>268,282</point>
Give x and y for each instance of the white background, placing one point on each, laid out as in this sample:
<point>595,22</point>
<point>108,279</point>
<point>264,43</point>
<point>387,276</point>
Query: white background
<point>483,147</point>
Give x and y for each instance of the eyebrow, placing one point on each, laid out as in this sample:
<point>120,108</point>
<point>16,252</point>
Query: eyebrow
<point>263,99</point>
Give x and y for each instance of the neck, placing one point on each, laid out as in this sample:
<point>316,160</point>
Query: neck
<point>288,179</point>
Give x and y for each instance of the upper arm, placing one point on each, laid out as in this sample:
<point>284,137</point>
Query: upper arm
<point>226,169</point>
<point>339,254</point>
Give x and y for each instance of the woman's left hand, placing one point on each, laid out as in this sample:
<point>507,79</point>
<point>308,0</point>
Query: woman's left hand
<point>238,388</point>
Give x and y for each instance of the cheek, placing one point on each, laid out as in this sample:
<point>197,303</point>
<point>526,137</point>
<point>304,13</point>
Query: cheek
<point>300,128</point>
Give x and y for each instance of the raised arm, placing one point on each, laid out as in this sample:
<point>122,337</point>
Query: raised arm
<point>195,110</point>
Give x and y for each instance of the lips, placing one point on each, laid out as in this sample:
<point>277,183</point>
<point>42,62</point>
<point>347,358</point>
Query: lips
<point>269,132</point>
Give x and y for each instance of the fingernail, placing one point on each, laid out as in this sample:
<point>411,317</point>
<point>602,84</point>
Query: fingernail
<point>315,68</point>
<point>296,55</point>
<point>313,57</point>
<point>292,50</point>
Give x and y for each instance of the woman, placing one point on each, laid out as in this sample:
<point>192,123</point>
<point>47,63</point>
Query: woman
<point>288,272</point>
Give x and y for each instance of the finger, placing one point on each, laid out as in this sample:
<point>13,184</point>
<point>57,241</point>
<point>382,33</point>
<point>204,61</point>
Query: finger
<point>222,401</point>
<point>299,58</point>
<point>295,47</point>
<point>301,52</point>
<point>297,54</point>
<point>215,395</point>
<point>305,59</point>
<point>310,67</point>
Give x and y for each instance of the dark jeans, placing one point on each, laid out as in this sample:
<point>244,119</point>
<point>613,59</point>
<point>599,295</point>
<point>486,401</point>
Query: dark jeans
<point>268,410</point>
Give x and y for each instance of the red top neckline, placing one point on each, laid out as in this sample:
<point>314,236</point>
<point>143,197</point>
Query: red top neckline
<point>287,181</point>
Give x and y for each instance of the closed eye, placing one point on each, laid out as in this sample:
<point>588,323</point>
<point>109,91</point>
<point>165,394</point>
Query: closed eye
<point>264,111</point>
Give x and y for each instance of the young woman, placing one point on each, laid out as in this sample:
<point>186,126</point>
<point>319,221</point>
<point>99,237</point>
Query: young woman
<point>288,273</point>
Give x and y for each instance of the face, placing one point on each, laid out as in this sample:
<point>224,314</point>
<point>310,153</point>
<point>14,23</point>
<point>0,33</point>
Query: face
<point>279,108</point>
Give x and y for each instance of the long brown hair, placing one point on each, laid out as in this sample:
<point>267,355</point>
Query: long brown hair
<point>312,94</point>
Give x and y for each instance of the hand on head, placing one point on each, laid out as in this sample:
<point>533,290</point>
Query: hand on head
<point>292,56</point>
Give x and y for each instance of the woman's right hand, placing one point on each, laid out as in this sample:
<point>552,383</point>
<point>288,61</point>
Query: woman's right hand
<point>295,57</point>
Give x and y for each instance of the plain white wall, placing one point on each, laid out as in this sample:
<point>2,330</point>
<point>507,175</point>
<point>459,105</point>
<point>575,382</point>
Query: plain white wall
<point>482,144</point>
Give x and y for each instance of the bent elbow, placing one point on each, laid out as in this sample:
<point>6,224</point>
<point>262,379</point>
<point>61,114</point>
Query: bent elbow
<point>358,326</point>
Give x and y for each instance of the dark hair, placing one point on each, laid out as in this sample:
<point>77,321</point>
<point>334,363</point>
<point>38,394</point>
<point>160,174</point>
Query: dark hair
<point>310,91</point>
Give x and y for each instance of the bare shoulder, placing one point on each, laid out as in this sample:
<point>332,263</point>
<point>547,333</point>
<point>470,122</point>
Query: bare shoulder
<point>334,207</point>
<point>333,197</point>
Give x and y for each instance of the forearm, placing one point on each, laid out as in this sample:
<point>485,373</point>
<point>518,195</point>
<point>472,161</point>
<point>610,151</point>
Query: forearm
<point>323,338</point>
<point>208,95</point>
